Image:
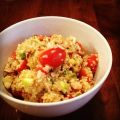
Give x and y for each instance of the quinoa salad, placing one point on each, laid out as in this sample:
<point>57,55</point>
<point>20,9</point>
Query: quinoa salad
<point>49,69</point>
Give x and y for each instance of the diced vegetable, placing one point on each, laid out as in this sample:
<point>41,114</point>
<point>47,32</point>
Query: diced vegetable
<point>23,56</point>
<point>27,82</point>
<point>41,37</point>
<point>83,72</point>
<point>13,55</point>
<point>92,62</point>
<point>22,66</point>
<point>86,72</point>
<point>64,86</point>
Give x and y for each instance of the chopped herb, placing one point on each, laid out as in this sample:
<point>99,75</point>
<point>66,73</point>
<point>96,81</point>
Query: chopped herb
<point>23,56</point>
<point>55,42</point>
<point>65,72</point>
<point>73,75</point>
<point>52,80</point>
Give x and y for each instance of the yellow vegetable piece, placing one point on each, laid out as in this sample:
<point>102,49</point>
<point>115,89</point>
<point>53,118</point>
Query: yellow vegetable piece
<point>64,86</point>
<point>27,81</point>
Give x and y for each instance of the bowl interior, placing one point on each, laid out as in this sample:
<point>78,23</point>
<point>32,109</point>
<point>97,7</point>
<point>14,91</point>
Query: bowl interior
<point>88,36</point>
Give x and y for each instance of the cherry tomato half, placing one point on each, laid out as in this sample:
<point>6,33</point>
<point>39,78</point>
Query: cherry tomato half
<point>53,57</point>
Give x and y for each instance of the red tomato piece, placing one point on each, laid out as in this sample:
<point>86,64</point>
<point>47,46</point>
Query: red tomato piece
<point>83,72</point>
<point>22,66</point>
<point>70,54</point>
<point>13,55</point>
<point>53,57</point>
<point>41,37</point>
<point>92,62</point>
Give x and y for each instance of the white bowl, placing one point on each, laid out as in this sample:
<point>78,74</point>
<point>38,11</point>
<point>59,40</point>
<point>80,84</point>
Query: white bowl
<point>89,37</point>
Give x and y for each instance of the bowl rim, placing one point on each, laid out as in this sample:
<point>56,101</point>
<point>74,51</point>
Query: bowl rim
<point>6,96</point>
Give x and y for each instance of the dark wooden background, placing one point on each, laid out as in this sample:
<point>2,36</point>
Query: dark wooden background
<point>104,15</point>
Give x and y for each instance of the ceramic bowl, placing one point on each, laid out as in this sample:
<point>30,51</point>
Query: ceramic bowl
<point>90,38</point>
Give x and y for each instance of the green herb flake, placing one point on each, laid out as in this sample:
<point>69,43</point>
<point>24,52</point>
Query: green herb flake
<point>23,56</point>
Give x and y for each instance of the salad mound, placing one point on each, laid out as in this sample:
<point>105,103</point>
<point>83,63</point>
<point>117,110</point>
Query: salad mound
<point>49,69</point>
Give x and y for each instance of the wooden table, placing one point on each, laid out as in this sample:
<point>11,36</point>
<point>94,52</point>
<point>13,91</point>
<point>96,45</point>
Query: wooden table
<point>101,14</point>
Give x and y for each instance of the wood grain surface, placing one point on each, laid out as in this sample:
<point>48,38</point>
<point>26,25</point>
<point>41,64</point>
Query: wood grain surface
<point>104,15</point>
